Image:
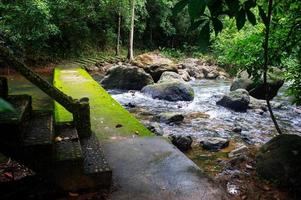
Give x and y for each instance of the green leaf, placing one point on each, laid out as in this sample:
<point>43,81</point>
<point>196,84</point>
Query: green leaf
<point>240,19</point>
<point>196,8</point>
<point>233,5</point>
<point>217,25</point>
<point>204,38</point>
<point>180,6</point>
<point>5,106</point>
<point>251,17</point>
<point>262,15</point>
<point>194,25</point>
<point>250,4</point>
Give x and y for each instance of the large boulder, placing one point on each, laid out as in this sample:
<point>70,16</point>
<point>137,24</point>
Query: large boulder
<point>237,100</point>
<point>170,76</point>
<point>127,78</point>
<point>257,89</point>
<point>279,160</point>
<point>170,91</point>
<point>155,64</point>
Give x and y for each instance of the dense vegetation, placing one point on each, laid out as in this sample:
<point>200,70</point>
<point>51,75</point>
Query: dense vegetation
<point>47,30</point>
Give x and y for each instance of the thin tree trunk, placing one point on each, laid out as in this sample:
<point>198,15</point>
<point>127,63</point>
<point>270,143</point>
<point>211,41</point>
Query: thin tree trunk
<point>118,34</point>
<point>265,66</point>
<point>131,36</point>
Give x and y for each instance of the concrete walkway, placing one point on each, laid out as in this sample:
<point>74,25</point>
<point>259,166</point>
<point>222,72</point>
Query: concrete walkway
<point>145,167</point>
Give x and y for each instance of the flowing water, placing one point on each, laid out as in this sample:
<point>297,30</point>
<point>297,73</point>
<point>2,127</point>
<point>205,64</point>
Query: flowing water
<point>204,118</point>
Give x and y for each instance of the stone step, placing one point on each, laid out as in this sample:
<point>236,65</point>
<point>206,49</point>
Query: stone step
<point>95,60</point>
<point>13,124</point>
<point>79,165</point>
<point>67,145</point>
<point>86,61</point>
<point>38,141</point>
<point>81,62</point>
<point>96,169</point>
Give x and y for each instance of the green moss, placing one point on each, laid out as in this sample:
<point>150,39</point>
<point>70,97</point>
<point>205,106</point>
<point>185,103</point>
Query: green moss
<point>106,113</point>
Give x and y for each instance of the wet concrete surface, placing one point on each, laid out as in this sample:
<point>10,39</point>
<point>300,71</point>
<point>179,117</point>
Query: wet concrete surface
<point>150,168</point>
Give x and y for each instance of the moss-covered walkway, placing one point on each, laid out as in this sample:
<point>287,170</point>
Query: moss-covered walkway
<point>108,118</point>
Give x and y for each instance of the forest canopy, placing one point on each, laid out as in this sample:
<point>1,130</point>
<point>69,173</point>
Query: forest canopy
<point>47,30</point>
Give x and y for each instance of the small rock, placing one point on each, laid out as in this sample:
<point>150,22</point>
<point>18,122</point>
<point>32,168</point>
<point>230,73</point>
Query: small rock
<point>155,128</point>
<point>259,111</point>
<point>130,105</point>
<point>214,144</point>
<point>237,100</point>
<point>237,130</point>
<point>118,126</point>
<point>184,74</point>
<point>238,151</point>
<point>212,75</point>
<point>232,189</point>
<point>171,117</point>
<point>183,143</point>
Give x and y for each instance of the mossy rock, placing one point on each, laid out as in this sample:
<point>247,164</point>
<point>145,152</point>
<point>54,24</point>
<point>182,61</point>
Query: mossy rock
<point>279,161</point>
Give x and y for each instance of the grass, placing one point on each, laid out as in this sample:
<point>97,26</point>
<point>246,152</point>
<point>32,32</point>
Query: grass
<point>108,118</point>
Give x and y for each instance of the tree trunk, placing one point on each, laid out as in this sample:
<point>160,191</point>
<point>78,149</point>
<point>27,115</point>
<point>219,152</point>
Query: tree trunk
<point>265,66</point>
<point>131,36</point>
<point>118,35</point>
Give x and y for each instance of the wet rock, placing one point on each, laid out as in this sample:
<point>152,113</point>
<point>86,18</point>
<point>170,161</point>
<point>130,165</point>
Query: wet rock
<point>257,90</point>
<point>212,75</point>
<point>199,69</point>
<point>183,143</point>
<point>257,104</point>
<point>237,100</point>
<point>259,111</point>
<point>91,68</point>
<point>184,74</point>
<point>237,129</point>
<point>170,91</point>
<point>242,149</point>
<point>279,160</point>
<point>155,64</point>
<point>170,76</point>
<point>126,77</point>
<point>171,117</point>
<point>155,128</point>
<point>214,143</point>
<point>130,105</point>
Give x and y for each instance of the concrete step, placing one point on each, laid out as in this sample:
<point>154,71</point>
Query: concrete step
<point>79,165</point>
<point>38,141</point>
<point>67,145</point>
<point>13,125</point>
<point>96,169</point>
<point>67,164</point>
<point>95,60</point>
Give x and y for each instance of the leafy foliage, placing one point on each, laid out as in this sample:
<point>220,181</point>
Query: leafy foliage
<point>207,14</point>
